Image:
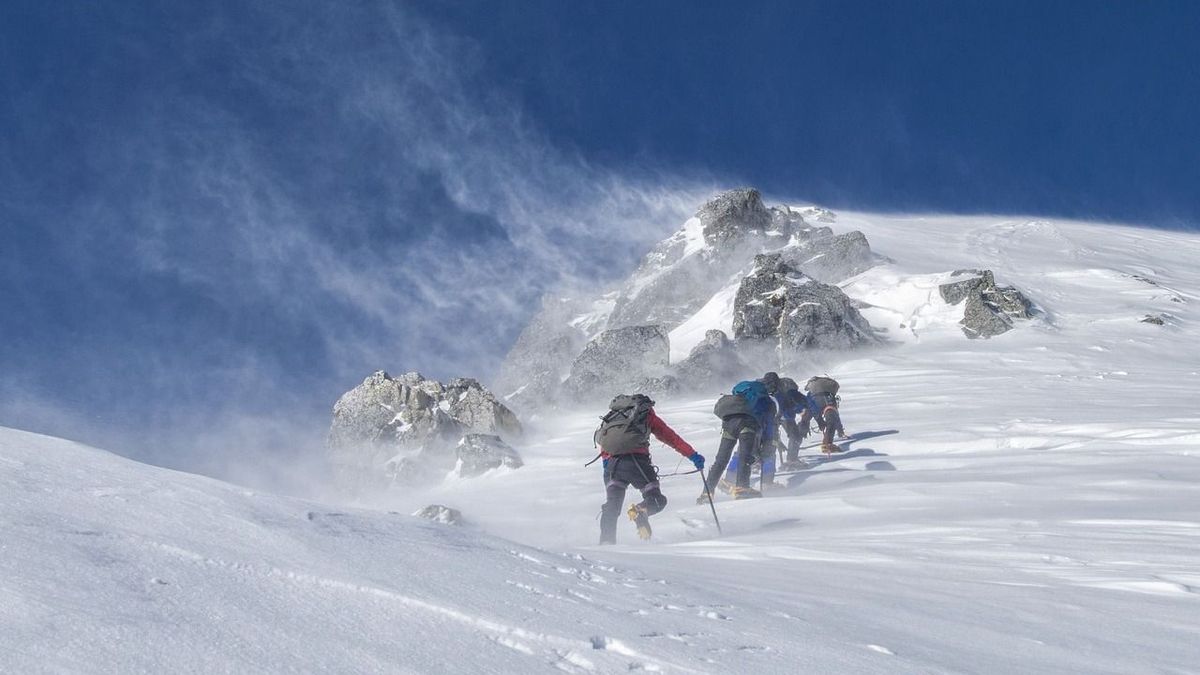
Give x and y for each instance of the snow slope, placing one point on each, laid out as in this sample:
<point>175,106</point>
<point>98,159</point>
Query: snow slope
<point>1029,503</point>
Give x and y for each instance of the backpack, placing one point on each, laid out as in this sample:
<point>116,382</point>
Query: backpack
<point>742,401</point>
<point>626,426</point>
<point>822,385</point>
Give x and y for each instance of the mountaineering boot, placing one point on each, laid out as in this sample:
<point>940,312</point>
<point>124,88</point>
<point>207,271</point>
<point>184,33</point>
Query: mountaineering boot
<point>746,493</point>
<point>794,465</point>
<point>770,486</point>
<point>725,485</point>
<point>638,515</point>
<point>703,498</point>
<point>830,448</point>
<point>842,435</point>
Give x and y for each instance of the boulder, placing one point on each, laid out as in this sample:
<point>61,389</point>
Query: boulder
<point>730,215</point>
<point>777,303</point>
<point>834,258</point>
<point>620,360</point>
<point>1156,319</point>
<point>403,429</point>
<point>989,309</point>
<point>479,453</point>
<point>440,514</point>
<point>715,360</point>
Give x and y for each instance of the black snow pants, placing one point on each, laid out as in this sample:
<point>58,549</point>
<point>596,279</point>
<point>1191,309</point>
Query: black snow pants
<point>830,415</point>
<point>739,430</point>
<point>623,471</point>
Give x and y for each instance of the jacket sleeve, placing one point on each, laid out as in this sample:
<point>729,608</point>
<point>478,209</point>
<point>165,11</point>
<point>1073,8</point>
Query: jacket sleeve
<point>667,435</point>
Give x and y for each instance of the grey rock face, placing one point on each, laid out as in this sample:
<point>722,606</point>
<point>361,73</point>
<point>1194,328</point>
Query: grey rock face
<point>730,215</point>
<point>836,257</point>
<point>406,428</point>
<point>620,360</point>
<point>479,453</point>
<point>989,309</point>
<point>542,355</point>
<point>1156,319</point>
<point>682,272</point>
<point>778,303</point>
<point>715,360</point>
<point>440,514</point>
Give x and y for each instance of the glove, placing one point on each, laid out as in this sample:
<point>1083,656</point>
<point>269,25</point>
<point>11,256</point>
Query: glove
<point>698,460</point>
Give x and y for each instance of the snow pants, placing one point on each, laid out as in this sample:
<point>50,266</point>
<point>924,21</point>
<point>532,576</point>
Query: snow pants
<point>623,471</point>
<point>795,434</point>
<point>831,420</point>
<point>736,430</point>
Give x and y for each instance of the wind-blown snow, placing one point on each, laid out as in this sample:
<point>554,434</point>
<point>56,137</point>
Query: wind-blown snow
<point>1026,503</point>
<point>716,314</point>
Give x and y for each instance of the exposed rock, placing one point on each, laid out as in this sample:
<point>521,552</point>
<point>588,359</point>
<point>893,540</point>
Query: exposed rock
<point>989,309</point>
<point>406,428</point>
<point>683,271</point>
<point>714,360</point>
<point>440,514</point>
<point>1156,319</point>
<point>778,303</point>
<point>623,359</point>
<point>732,214</point>
<point>818,214</point>
<point>542,355</point>
<point>835,258</point>
<point>479,453</point>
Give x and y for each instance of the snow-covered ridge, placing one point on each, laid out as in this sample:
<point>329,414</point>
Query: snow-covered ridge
<point>1021,504</point>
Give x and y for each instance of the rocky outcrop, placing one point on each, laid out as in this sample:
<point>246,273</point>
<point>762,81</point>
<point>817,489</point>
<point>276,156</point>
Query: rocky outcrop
<point>989,309</point>
<point>440,514</point>
<point>777,303</point>
<point>480,453</point>
<point>714,360</point>
<point>541,357</point>
<point>731,215</point>
<point>631,359</point>
<point>679,275</point>
<point>834,258</point>
<point>396,430</point>
<point>1155,319</point>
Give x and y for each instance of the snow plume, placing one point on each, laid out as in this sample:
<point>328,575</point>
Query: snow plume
<point>280,200</point>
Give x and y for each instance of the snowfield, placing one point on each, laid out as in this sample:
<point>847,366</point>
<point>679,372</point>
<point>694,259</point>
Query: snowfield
<point>1025,504</point>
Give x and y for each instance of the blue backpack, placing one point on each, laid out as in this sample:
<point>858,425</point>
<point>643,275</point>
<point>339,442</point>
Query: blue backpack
<point>751,390</point>
<point>743,401</point>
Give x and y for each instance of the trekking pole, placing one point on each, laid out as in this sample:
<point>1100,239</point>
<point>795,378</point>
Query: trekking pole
<point>708,492</point>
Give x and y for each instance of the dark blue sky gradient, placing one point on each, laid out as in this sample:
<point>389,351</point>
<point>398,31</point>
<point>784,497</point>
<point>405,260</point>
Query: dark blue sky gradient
<point>217,217</point>
<point>1082,109</point>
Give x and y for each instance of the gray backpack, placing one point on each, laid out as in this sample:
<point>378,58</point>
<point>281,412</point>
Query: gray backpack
<point>822,385</point>
<point>626,427</point>
<point>732,404</point>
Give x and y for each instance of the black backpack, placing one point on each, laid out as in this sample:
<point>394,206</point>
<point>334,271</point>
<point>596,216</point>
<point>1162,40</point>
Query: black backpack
<point>626,427</point>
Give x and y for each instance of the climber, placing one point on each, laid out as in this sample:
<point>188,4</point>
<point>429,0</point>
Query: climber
<point>624,441</point>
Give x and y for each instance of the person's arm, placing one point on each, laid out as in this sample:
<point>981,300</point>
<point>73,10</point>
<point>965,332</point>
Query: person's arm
<point>667,435</point>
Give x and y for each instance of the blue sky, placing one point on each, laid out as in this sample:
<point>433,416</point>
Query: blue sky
<point>217,217</point>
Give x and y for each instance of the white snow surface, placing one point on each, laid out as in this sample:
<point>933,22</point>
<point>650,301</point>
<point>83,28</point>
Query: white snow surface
<point>1029,503</point>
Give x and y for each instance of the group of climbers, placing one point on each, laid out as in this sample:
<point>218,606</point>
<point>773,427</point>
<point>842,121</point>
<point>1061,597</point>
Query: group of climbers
<point>751,415</point>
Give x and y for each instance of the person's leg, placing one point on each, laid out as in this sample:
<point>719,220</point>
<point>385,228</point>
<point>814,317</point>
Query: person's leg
<point>724,452</point>
<point>794,437</point>
<point>747,452</point>
<point>767,457</point>
<point>615,494</point>
<point>646,481</point>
